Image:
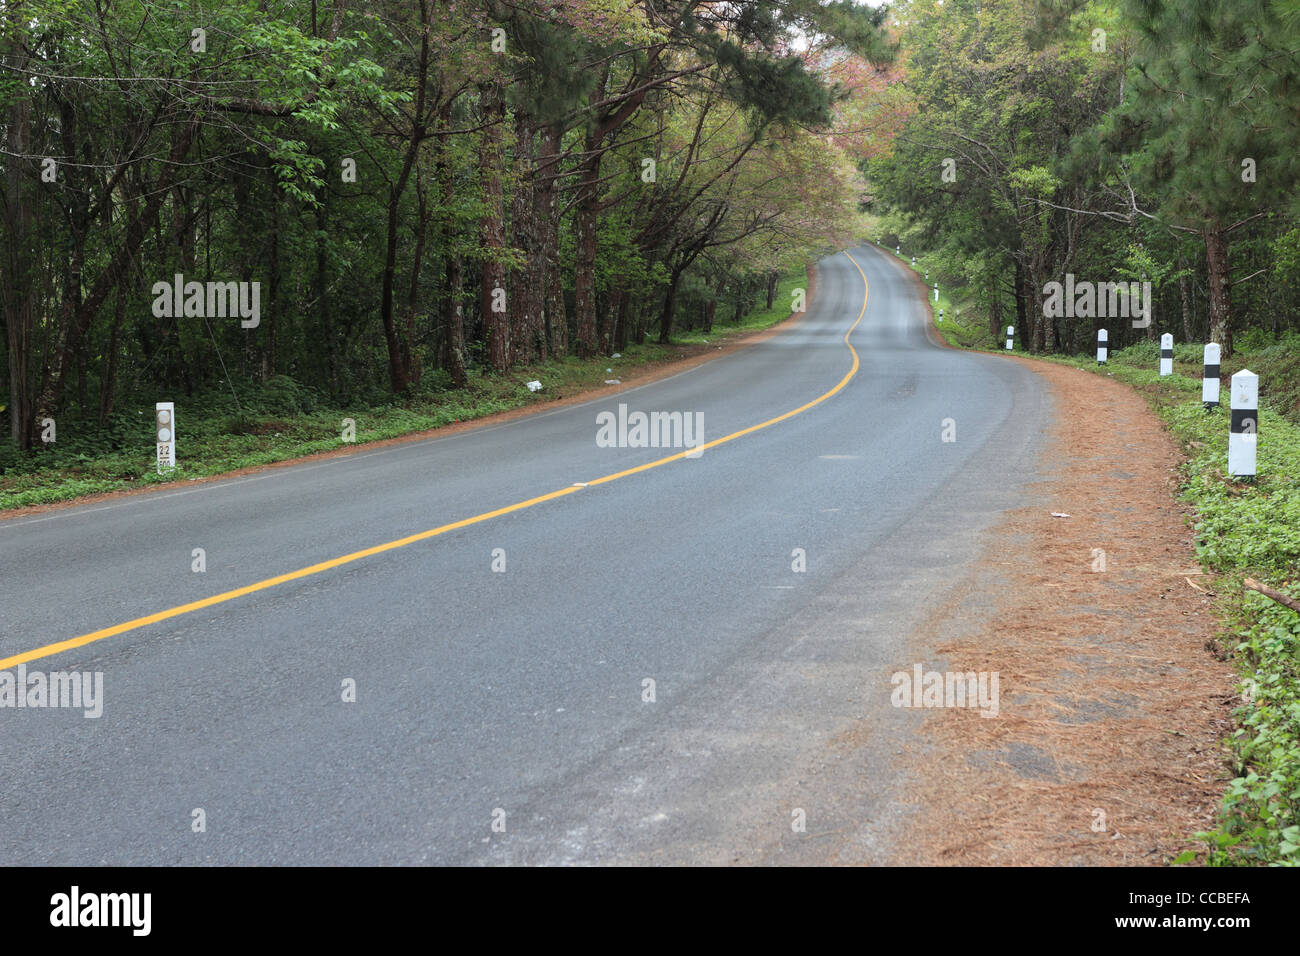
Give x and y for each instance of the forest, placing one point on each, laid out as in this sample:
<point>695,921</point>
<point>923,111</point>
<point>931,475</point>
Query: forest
<point>1141,141</point>
<point>420,194</point>
<point>415,191</point>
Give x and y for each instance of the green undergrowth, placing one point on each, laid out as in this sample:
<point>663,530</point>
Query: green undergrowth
<point>1252,529</point>
<point>759,319</point>
<point>245,424</point>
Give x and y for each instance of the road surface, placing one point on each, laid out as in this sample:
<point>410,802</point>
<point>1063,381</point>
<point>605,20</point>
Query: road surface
<point>519,697</point>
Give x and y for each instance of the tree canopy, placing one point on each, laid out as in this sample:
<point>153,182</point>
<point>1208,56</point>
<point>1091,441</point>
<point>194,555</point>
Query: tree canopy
<point>420,190</point>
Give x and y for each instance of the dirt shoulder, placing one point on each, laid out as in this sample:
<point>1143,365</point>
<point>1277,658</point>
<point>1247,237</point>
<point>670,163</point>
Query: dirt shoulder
<point>1113,699</point>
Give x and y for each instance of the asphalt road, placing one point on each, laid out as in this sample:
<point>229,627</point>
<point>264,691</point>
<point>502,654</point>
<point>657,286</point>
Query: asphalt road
<point>524,690</point>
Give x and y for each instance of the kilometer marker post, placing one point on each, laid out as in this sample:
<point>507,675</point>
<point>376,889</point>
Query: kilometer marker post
<point>1166,354</point>
<point>1244,435</point>
<point>165,419</point>
<point>1103,345</point>
<point>1210,377</point>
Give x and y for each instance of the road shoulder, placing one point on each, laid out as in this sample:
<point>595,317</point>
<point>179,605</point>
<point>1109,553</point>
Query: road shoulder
<point>1113,701</point>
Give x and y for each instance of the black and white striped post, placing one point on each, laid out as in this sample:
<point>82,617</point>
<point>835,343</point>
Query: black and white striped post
<point>1103,346</point>
<point>913,260</point>
<point>936,292</point>
<point>941,316</point>
<point>1210,378</point>
<point>1011,336</point>
<point>1166,354</point>
<point>1245,424</point>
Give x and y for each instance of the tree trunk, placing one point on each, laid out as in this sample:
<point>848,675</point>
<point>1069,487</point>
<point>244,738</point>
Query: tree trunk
<point>669,312</point>
<point>326,333</point>
<point>493,285</point>
<point>16,288</point>
<point>525,281</point>
<point>109,381</point>
<point>620,329</point>
<point>413,289</point>
<point>609,325</point>
<point>399,369</point>
<point>1021,303</point>
<point>1220,285</point>
<point>453,305</point>
<point>79,228</point>
<point>454,319</point>
<point>639,327</point>
<point>1186,299</point>
<point>995,306</point>
<point>548,234</point>
<point>1037,338</point>
<point>584,283</point>
<point>267,320</point>
<point>399,357</point>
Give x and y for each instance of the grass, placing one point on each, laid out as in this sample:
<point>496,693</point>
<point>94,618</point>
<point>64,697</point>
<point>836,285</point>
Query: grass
<point>281,420</point>
<point>757,320</point>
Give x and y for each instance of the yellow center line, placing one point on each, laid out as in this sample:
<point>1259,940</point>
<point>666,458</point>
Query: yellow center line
<point>49,650</point>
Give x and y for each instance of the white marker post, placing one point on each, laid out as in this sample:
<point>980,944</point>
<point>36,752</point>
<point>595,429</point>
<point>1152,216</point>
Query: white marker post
<point>941,315</point>
<point>1244,432</point>
<point>898,250</point>
<point>1210,377</point>
<point>165,417</point>
<point>913,260</point>
<point>1103,346</point>
<point>1167,354</point>
<point>1011,335</point>
<point>936,292</point>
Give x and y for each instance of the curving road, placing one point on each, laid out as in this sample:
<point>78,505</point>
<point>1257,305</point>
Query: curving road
<point>524,690</point>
